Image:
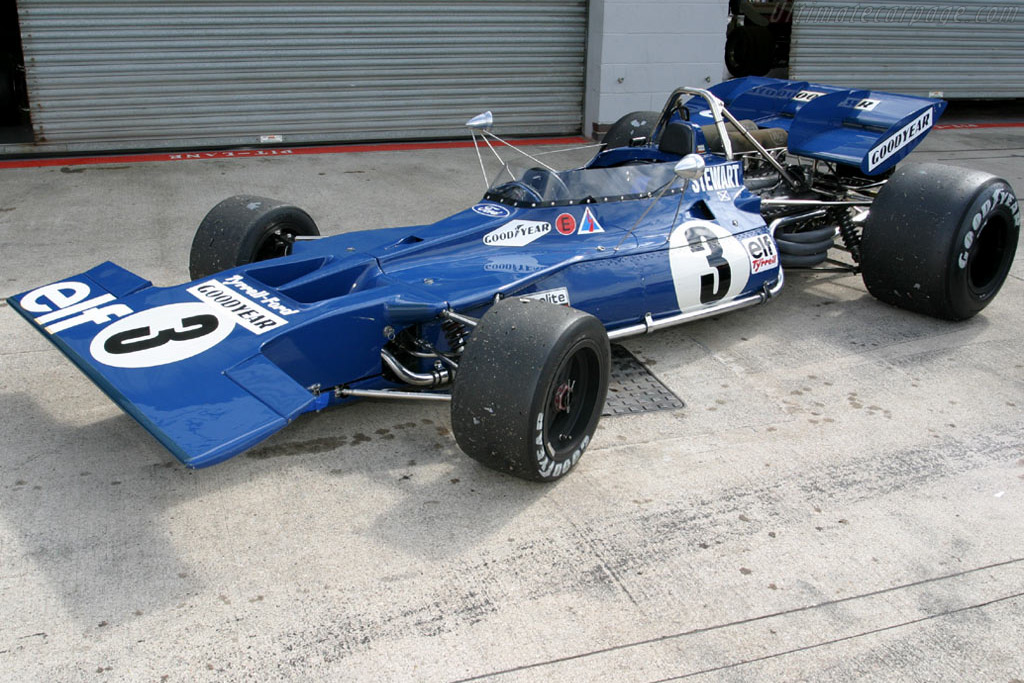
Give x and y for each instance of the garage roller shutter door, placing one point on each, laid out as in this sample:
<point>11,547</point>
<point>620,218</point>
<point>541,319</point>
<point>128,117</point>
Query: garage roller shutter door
<point>963,49</point>
<point>134,75</point>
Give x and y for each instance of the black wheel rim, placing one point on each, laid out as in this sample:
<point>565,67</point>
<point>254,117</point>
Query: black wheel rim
<point>276,242</point>
<point>570,403</point>
<point>990,262</point>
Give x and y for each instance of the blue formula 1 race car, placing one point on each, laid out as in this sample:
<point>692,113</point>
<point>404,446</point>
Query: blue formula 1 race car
<point>506,309</point>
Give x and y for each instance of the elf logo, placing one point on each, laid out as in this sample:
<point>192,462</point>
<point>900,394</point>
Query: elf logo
<point>763,254</point>
<point>64,305</point>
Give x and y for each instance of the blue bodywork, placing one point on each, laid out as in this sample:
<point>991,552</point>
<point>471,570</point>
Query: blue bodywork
<point>869,130</point>
<point>214,366</point>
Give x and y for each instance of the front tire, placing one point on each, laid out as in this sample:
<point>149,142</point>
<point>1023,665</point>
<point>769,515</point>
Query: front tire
<point>245,229</point>
<point>530,388</point>
<point>940,240</point>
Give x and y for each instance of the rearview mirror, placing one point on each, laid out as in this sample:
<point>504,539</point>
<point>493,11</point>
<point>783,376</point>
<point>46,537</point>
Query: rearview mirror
<point>481,121</point>
<point>690,167</point>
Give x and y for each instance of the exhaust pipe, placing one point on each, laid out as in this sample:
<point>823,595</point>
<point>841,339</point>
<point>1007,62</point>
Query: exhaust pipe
<point>434,378</point>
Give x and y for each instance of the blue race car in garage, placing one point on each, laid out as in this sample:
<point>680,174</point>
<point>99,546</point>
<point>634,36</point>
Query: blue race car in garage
<point>506,309</point>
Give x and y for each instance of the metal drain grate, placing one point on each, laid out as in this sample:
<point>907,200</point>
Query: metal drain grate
<point>633,389</point>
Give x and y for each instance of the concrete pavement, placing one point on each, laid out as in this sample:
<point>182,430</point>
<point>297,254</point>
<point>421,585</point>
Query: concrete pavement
<point>841,499</point>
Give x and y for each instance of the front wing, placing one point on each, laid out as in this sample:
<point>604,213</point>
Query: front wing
<point>152,351</point>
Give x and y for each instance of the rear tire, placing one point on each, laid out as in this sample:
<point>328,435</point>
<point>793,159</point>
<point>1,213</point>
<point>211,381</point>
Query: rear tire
<point>940,240</point>
<point>636,124</point>
<point>530,388</point>
<point>245,229</point>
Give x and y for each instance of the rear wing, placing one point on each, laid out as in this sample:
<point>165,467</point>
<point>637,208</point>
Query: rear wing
<point>867,129</point>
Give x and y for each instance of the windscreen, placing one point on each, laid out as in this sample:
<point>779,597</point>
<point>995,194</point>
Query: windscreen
<point>536,185</point>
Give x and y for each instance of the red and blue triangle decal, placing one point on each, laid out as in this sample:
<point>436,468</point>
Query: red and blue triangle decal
<point>589,224</point>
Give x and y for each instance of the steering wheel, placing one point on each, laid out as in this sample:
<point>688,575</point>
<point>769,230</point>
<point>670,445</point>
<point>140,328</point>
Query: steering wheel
<point>547,174</point>
<point>518,191</point>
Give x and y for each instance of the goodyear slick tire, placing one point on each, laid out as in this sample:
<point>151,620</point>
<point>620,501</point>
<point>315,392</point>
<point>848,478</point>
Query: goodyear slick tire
<point>245,229</point>
<point>530,388</point>
<point>940,240</point>
<point>636,124</point>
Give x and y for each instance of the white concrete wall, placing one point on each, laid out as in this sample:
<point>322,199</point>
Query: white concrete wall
<point>638,52</point>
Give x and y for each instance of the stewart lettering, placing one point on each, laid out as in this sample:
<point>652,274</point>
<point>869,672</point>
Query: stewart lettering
<point>721,177</point>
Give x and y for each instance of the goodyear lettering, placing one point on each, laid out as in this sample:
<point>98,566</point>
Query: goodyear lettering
<point>516,233</point>
<point>906,135</point>
<point>720,177</point>
<point>807,95</point>
<point>1000,197</point>
<point>774,93</point>
<point>860,104</point>
<point>248,313</point>
<point>547,468</point>
<point>513,264</point>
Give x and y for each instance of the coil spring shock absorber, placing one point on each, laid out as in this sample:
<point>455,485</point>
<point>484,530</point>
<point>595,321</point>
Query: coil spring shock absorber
<point>455,334</point>
<point>849,232</point>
